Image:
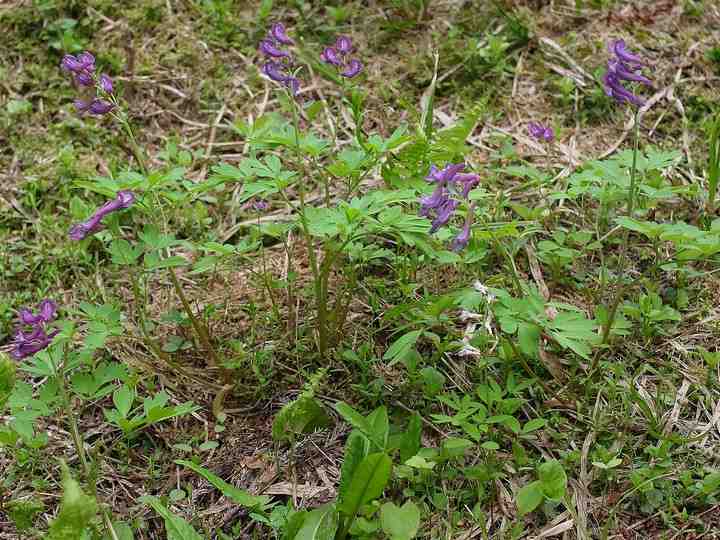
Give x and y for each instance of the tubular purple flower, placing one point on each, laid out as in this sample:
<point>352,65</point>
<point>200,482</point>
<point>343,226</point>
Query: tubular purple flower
<point>99,107</point>
<point>278,33</point>
<point>466,181</point>
<point>46,314</point>
<point>354,67</point>
<point>344,45</point>
<point>624,67</point>
<point>293,84</point>
<point>79,231</point>
<point>28,343</point>
<point>619,48</point>
<point>260,205</point>
<point>106,83</point>
<point>614,89</point>
<point>87,61</point>
<point>619,70</point>
<point>444,213</point>
<point>274,71</point>
<point>70,63</point>
<point>330,56</point>
<point>446,174</point>
<point>268,48</point>
<point>84,78</point>
<point>81,105</point>
<point>461,241</point>
<point>540,132</point>
<point>433,201</point>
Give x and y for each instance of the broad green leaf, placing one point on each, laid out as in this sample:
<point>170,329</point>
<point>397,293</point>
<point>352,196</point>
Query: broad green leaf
<point>354,418</point>
<point>7,379</point>
<point>401,346</point>
<point>528,338</point>
<point>534,425</point>
<point>123,253</point>
<point>356,449</point>
<point>371,477</point>
<point>529,498</point>
<point>411,439</point>
<point>236,495</point>
<point>77,511</point>
<point>320,524</point>
<point>303,415</point>
<point>122,530</point>
<point>553,480</point>
<point>123,399</point>
<point>400,523</point>
<point>176,527</point>
<point>380,424</point>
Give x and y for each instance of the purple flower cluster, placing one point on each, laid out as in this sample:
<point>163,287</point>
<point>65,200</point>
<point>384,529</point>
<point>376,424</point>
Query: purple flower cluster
<point>82,68</point>
<point>277,67</point>
<point>337,56</point>
<point>540,132</point>
<point>624,67</point>
<point>27,343</point>
<point>124,199</point>
<point>441,204</point>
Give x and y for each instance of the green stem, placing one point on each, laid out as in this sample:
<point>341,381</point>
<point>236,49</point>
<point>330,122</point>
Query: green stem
<point>198,326</point>
<point>612,313</point>
<point>78,441</point>
<point>312,256</point>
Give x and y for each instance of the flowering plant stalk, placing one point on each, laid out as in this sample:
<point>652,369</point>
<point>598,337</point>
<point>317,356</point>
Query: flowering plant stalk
<point>623,67</point>
<point>106,102</point>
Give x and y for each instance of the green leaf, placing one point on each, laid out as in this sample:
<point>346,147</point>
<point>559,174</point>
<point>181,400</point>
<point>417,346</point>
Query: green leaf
<point>176,527</point>
<point>356,449</point>
<point>236,495</point>
<point>7,378</point>
<point>553,480</point>
<point>529,498</point>
<point>77,510</point>
<point>534,425</point>
<point>380,425</point>
<point>411,440</point>
<point>123,253</point>
<point>400,523</point>
<point>122,530</point>
<point>354,418</point>
<point>303,415</point>
<point>320,524</point>
<point>123,399</point>
<point>371,477</point>
<point>528,337</point>
<point>401,346</point>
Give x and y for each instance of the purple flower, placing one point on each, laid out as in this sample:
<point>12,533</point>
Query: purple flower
<point>336,56</point>
<point>344,45</point>
<point>28,343</point>
<point>268,48</point>
<point>461,241</point>
<point>87,61</point>
<point>274,71</point>
<point>354,67</point>
<point>540,132</point>
<point>445,175</point>
<point>106,83</point>
<point>95,106</point>
<point>261,205</point>
<point>466,182</point>
<point>71,64</point>
<point>46,313</point>
<point>84,78</point>
<point>623,54</point>
<point>444,213</point>
<point>625,67</point>
<point>124,199</point>
<point>434,201</point>
<point>330,56</point>
<point>278,33</point>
